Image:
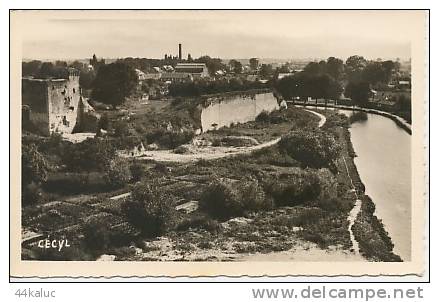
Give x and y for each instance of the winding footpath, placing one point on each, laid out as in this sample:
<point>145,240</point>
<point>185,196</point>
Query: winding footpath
<point>321,116</point>
<point>397,119</point>
<point>353,213</point>
<point>209,153</point>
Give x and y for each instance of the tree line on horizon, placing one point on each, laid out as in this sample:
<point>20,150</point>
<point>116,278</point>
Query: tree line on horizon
<point>327,79</point>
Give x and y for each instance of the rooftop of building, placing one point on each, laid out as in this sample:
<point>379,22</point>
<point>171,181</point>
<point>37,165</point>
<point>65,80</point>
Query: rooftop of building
<point>176,75</point>
<point>190,65</point>
<point>32,79</point>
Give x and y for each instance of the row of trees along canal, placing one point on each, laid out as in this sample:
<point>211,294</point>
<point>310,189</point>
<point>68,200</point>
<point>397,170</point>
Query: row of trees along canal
<point>355,78</point>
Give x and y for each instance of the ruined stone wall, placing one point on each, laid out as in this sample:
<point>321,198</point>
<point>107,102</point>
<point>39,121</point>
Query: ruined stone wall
<point>87,118</point>
<point>51,104</point>
<point>34,100</point>
<point>64,97</point>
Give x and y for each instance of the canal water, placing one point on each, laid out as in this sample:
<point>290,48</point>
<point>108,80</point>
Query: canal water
<point>236,109</point>
<point>383,159</point>
<point>384,163</point>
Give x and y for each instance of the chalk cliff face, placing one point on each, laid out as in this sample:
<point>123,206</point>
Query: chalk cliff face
<point>53,105</point>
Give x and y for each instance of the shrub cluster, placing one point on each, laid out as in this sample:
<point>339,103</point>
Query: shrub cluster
<point>34,166</point>
<point>100,235</point>
<point>74,183</point>
<point>118,173</point>
<point>274,117</point>
<point>273,156</point>
<point>137,171</point>
<point>315,149</point>
<point>199,221</point>
<point>224,199</point>
<point>34,171</point>
<point>121,128</point>
<point>358,116</point>
<point>303,186</point>
<point>263,117</point>
<point>93,154</point>
<point>31,194</point>
<point>169,139</point>
<point>149,209</point>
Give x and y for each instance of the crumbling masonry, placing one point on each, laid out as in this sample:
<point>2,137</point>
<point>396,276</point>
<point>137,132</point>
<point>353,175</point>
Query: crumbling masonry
<point>54,105</point>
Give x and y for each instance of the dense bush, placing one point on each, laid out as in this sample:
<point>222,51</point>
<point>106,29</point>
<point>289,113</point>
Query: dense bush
<point>308,216</point>
<point>169,139</point>
<point>31,194</point>
<point>34,172</point>
<point>137,171</point>
<point>253,196</point>
<point>121,128</point>
<point>93,154</point>
<point>302,186</point>
<point>53,145</point>
<point>34,166</point>
<point>100,235</point>
<point>113,83</point>
<point>118,173</point>
<point>149,209</point>
<point>76,183</point>
<point>104,122</point>
<point>263,117</point>
<point>96,235</point>
<point>334,205</point>
<point>199,221</point>
<point>223,199</point>
<point>314,149</point>
<point>327,183</point>
<point>358,116</point>
<point>295,190</point>
<point>275,117</point>
<point>274,157</point>
<point>174,139</point>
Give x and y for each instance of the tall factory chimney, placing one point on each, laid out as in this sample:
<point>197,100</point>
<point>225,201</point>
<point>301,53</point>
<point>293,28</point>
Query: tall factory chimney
<point>179,52</point>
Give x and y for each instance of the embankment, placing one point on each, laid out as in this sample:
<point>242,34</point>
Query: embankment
<point>374,242</point>
<point>398,120</point>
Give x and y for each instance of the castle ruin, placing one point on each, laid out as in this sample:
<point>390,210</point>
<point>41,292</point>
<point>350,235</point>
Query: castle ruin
<point>53,105</point>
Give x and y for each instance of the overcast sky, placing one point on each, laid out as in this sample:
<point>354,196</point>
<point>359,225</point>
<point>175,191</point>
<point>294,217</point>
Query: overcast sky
<point>225,34</point>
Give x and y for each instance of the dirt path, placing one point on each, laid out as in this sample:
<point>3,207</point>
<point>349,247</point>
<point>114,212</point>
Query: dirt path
<point>209,153</point>
<point>321,116</point>
<point>353,213</point>
<point>206,153</point>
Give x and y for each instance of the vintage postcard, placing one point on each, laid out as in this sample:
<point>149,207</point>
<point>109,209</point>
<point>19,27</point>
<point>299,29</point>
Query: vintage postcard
<point>219,142</point>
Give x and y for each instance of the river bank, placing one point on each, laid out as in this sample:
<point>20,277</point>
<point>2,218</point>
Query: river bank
<point>384,163</point>
<point>397,119</point>
<point>373,240</point>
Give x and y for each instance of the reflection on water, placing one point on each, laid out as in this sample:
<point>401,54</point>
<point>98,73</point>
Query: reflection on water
<point>384,164</point>
<point>238,109</point>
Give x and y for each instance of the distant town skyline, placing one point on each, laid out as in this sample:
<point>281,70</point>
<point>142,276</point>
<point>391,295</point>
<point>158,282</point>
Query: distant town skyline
<point>69,35</point>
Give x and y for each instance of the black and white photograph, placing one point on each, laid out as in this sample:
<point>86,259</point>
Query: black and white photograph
<point>212,136</point>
